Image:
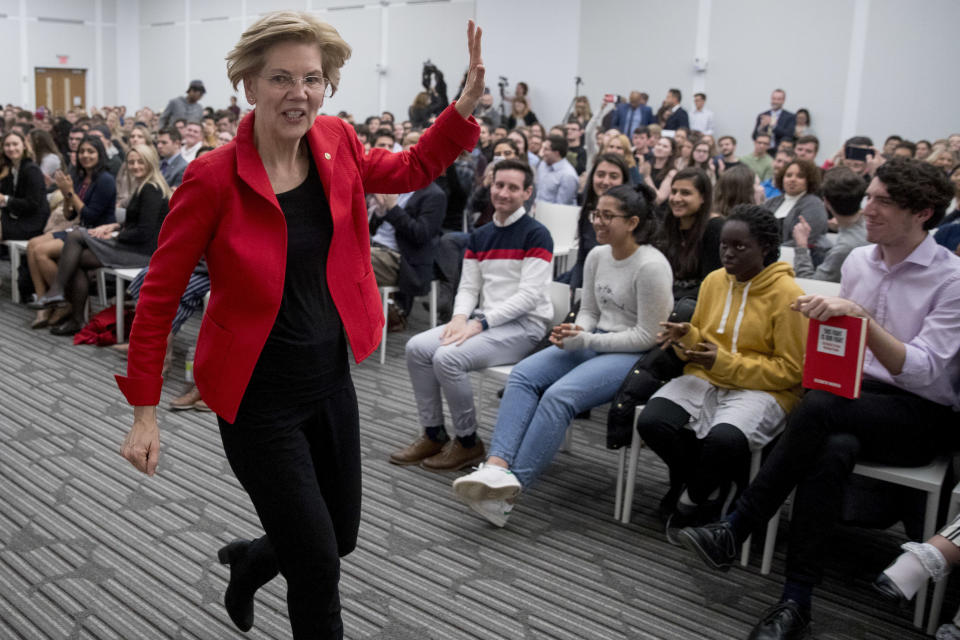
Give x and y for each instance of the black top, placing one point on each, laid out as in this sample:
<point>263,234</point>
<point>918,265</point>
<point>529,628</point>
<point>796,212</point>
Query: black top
<point>688,285</point>
<point>145,214</point>
<point>305,356</point>
<point>27,210</point>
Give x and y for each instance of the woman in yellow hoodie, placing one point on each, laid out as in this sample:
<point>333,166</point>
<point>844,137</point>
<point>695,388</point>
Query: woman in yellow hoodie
<point>744,348</point>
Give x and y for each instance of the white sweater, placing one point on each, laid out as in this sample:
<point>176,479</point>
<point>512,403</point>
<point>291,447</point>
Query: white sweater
<point>626,300</point>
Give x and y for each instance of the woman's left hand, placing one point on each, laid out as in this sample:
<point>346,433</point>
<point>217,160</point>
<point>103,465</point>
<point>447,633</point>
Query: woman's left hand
<point>474,86</point>
<point>561,331</point>
<point>704,355</point>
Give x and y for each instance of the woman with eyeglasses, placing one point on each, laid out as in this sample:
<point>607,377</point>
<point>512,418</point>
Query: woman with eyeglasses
<point>280,216</point>
<point>626,295</point>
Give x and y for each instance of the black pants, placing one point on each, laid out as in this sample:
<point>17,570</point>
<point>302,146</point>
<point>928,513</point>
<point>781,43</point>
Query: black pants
<point>301,468</point>
<point>824,438</point>
<point>700,464</point>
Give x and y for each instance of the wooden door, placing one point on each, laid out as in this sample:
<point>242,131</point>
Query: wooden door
<point>60,90</point>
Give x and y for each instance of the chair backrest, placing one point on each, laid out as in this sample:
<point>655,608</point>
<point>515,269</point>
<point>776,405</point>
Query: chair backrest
<point>787,254</point>
<point>819,287</point>
<point>560,297</point>
<point>561,221</point>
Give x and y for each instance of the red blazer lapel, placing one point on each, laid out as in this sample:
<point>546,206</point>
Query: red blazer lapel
<point>249,166</point>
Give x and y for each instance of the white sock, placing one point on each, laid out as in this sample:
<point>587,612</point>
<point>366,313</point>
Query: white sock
<point>908,574</point>
<point>685,499</point>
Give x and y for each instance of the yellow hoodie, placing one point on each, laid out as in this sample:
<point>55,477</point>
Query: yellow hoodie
<point>760,339</point>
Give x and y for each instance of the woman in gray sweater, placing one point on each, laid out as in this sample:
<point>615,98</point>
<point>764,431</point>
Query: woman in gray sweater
<point>627,293</point>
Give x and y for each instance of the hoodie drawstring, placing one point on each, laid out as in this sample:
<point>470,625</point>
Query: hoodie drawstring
<point>726,309</point>
<point>736,325</point>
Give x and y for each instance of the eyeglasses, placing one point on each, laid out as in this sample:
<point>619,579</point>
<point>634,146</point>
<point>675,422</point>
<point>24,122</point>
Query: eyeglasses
<point>603,217</point>
<point>313,84</point>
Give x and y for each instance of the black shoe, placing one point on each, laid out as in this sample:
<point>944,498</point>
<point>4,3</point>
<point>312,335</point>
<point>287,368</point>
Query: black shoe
<point>889,590</point>
<point>783,621</point>
<point>714,543</point>
<point>238,601</point>
<point>47,302</point>
<point>67,328</point>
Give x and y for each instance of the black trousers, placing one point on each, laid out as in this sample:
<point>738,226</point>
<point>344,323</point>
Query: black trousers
<point>300,464</point>
<point>824,438</point>
<point>700,464</point>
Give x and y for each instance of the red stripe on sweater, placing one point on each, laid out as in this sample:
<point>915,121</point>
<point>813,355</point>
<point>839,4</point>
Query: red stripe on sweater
<point>509,254</point>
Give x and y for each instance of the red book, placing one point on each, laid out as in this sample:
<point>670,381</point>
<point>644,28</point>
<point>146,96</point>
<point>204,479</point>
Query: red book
<point>834,360</point>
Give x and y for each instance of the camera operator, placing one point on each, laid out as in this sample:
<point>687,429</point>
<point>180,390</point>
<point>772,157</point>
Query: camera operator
<point>432,100</point>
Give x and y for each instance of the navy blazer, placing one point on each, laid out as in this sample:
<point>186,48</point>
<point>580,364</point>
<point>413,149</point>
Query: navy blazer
<point>27,209</point>
<point>786,124</point>
<point>99,201</point>
<point>677,119</point>
<point>173,173</point>
<point>620,117</point>
<point>418,226</point>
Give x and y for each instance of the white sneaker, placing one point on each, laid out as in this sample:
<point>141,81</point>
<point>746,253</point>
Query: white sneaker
<point>495,511</point>
<point>488,482</point>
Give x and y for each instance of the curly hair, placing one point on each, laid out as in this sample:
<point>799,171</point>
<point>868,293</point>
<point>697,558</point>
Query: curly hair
<point>763,227</point>
<point>916,185</point>
<point>637,201</point>
<point>810,172</point>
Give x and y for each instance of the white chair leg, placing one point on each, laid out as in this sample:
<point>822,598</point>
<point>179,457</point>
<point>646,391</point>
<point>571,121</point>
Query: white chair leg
<point>941,589</point>
<point>120,296</point>
<point>383,338</point>
<point>433,304</point>
<point>635,444</point>
<point>618,500</point>
<point>102,287</point>
<point>14,273</point>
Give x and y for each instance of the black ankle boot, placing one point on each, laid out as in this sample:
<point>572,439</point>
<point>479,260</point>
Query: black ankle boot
<point>238,600</point>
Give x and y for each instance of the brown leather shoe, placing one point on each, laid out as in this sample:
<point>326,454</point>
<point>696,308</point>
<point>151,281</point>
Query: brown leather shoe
<point>188,400</point>
<point>200,405</point>
<point>414,453</point>
<point>455,456</point>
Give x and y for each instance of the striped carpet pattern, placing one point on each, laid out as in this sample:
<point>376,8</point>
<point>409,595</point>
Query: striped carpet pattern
<point>91,549</point>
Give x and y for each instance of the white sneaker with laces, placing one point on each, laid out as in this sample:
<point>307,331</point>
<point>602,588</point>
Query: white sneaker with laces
<point>494,511</point>
<point>488,482</point>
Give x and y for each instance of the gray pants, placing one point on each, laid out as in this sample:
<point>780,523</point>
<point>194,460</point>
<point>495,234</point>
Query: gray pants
<point>434,368</point>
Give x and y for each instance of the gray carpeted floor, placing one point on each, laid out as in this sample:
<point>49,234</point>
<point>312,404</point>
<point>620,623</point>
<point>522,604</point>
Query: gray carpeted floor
<point>89,548</point>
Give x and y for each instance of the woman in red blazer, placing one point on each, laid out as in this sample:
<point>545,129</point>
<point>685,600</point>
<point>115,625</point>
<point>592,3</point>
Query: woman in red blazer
<point>280,215</point>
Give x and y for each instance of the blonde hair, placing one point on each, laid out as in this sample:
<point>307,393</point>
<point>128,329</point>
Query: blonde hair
<point>154,177</point>
<point>625,146</point>
<point>247,56</point>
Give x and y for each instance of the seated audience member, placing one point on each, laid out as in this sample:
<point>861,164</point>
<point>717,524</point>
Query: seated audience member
<point>734,187</point>
<point>676,116</point>
<point>520,114</point>
<point>484,148</point>
<point>780,161</point>
<point>523,148</point>
<point>23,194</point>
<point>501,312</point>
<point>658,174</point>
<point>46,155</point>
<point>845,156</point>
<point>728,154</point>
<point>486,109</point>
<point>479,205</point>
<point>776,122</point>
<point>690,236</point>
<point>73,143</point>
<point>944,158</point>
<point>172,164</point>
<point>889,145</point>
<point>192,141</point>
<point>924,148</point>
<point>953,210</point>
<point>684,153</point>
<point>800,181</point>
<point>557,180</point>
<point>626,294</point>
<point>620,144</point>
<point>917,565</point>
<point>905,149</point>
<point>114,157</point>
<point>209,126</point>
<point>842,190</point>
<point>223,138</point>
<point>609,170</point>
<point>403,237</point>
<point>110,245</point>
<point>802,127</point>
<point>700,159</point>
<point>90,198</point>
<point>744,347</point>
<point>760,161</point>
<point>909,289</point>
<point>807,147</point>
<point>632,114</point>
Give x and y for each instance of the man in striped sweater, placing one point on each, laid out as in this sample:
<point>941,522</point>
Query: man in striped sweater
<point>502,310</point>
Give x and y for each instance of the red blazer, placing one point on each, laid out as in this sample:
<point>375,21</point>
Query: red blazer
<point>226,210</point>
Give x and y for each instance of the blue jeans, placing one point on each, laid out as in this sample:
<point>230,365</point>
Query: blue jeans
<point>544,392</point>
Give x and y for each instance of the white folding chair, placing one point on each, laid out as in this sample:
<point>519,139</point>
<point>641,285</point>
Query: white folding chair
<point>122,276</point>
<point>936,604</point>
<point>385,298</point>
<point>561,221</point>
<point>17,248</point>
